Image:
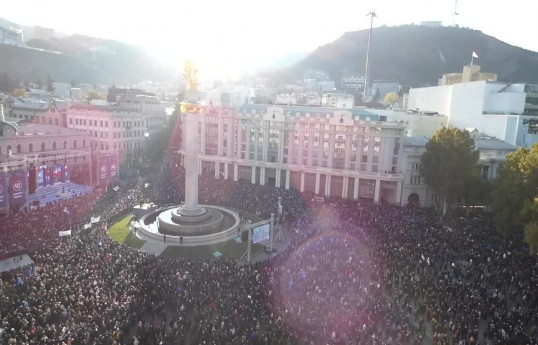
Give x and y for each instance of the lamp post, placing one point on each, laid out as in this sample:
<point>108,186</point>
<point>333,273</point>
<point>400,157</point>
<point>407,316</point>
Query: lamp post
<point>146,136</point>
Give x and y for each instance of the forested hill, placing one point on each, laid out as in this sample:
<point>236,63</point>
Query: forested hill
<point>80,59</point>
<point>419,55</point>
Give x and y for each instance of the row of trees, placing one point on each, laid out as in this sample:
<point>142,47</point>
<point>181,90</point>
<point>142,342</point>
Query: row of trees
<point>450,167</point>
<point>8,85</point>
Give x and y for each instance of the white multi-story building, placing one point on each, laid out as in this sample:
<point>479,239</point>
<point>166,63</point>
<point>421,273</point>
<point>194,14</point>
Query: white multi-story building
<point>351,153</point>
<point>505,111</point>
<point>338,100</point>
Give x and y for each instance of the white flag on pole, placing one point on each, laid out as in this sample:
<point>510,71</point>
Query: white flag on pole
<point>475,55</point>
<point>95,219</point>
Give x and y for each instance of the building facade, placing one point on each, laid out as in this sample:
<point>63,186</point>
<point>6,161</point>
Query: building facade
<point>505,111</point>
<point>43,155</point>
<point>354,154</point>
<point>492,152</point>
<point>470,73</point>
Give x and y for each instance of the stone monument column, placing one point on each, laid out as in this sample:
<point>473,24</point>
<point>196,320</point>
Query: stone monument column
<point>191,207</point>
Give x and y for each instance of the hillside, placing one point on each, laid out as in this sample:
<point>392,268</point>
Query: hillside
<point>81,59</point>
<point>419,55</point>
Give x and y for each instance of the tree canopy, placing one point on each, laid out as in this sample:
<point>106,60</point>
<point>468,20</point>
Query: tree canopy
<point>450,162</point>
<point>391,97</point>
<point>94,94</point>
<point>19,92</point>
<point>516,187</point>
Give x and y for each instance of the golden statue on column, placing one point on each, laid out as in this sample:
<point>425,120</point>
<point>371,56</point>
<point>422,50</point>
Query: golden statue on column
<point>190,75</point>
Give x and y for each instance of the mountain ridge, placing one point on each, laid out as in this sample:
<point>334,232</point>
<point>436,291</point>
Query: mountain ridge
<point>419,55</point>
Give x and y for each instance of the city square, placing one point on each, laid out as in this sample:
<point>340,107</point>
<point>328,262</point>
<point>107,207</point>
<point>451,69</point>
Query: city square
<point>338,201</point>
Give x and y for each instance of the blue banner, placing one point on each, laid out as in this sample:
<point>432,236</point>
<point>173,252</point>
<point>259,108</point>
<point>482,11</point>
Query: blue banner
<point>3,190</point>
<point>17,189</point>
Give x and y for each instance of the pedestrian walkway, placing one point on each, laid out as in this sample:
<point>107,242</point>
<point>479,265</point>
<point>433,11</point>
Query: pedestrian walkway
<point>153,247</point>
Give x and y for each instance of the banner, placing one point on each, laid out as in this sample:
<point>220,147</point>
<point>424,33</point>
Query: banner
<point>58,173</point>
<point>87,226</point>
<point>17,189</point>
<point>103,168</point>
<point>95,219</point>
<point>64,233</point>
<point>41,176</point>
<point>67,178</point>
<point>3,190</point>
<point>47,176</point>
<point>113,166</point>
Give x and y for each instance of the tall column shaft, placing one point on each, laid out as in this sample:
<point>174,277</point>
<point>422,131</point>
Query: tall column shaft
<point>191,163</point>
<point>377,187</point>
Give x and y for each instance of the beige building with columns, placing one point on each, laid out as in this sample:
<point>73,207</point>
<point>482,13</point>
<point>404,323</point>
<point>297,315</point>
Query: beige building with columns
<point>350,153</point>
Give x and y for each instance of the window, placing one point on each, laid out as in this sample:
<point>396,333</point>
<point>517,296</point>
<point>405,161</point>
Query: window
<point>65,145</point>
<point>54,145</point>
<point>42,146</point>
<point>19,148</point>
<point>71,121</point>
<point>31,148</point>
<point>375,159</point>
<point>75,144</point>
<point>415,180</point>
<point>364,159</point>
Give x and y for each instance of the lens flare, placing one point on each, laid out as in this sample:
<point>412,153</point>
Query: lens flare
<point>325,288</point>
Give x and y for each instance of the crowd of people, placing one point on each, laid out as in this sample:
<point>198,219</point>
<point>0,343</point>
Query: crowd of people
<point>350,274</point>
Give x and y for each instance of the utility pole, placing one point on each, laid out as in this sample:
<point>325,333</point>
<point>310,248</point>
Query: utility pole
<point>455,13</point>
<point>365,92</point>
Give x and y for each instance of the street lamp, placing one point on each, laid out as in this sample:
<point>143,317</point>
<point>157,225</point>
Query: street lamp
<point>146,135</point>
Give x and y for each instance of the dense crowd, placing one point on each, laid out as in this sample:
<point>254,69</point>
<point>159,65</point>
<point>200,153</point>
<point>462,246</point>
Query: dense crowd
<point>350,274</point>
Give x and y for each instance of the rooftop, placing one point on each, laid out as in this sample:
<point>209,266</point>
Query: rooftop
<point>482,142</point>
<point>25,129</point>
<point>103,108</point>
<point>302,110</point>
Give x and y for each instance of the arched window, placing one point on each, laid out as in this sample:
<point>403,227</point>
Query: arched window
<point>75,144</point>
<point>50,121</point>
<point>42,146</point>
<point>31,148</point>
<point>19,148</point>
<point>65,145</point>
<point>54,145</point>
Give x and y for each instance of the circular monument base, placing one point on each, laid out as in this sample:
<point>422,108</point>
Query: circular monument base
<point>216,224</point>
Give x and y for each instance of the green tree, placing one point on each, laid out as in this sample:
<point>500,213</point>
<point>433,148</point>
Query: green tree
<point>449,162</point>
<point>515,189</point>
<point>477,191</point>
<point>531,237</point>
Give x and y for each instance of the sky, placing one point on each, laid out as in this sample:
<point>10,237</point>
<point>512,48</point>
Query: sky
<point>235,36</point>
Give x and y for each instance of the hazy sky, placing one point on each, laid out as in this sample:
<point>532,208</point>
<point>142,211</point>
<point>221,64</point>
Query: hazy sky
<point>240,34</point>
